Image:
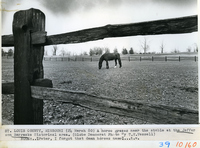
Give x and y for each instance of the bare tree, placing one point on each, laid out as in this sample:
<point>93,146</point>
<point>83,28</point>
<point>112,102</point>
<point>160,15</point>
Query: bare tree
<point>144,45</point>
<point>196,47</point>
<point>63,53</point>
<point>175,51</point>
<point>68,53</point>
<point>189,49</point>
<point>162,47</point>
<point>91,53</point>
<point>107,50</point>
<point>2,52</point>
<point>115,50</point>
<point>85,53</point>
<point>55,49</point>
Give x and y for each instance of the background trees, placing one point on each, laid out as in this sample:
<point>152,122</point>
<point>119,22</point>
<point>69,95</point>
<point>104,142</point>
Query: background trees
<point>144,45</point>
<point>55,49</point>
<point>131,51</point>
<point>115,50</point>
<point>96,51</point>
<point>10,52</point>
<point>162,47</point>
<point>2,52</point>
<point>124,51</point>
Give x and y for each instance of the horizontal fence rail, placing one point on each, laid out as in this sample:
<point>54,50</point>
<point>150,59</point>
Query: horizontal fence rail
<point>168,26</point>
<point>129,58</point>
<point>154,113</point>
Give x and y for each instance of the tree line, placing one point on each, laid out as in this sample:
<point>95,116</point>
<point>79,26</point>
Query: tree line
<point>9,53</point>
<point>144,44</point>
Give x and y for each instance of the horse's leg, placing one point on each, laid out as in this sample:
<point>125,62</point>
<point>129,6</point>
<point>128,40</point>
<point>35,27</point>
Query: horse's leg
<point>107,66</point>
<point>115,63</point>
<point>120,63</point>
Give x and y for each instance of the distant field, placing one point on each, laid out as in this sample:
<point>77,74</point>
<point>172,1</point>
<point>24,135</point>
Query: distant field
<point>158,82</point>
<point>169,83</point>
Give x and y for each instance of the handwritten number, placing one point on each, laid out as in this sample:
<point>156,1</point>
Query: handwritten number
<point>167,143</point>
<point>180,144</point>
<point>194,144</point>
<point>161,144</point>
<point>187,145</point>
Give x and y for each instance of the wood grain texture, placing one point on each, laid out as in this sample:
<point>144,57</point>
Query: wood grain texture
<point>167,26</point>
<point>27,66</point>
<point>8,88</point>
<point>7,40</point>
<point>153,113</point>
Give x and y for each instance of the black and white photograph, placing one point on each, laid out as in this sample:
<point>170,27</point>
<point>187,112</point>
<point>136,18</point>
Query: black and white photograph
<point>99,62</point>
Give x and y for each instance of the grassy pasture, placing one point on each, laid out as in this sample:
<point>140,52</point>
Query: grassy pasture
<point>169,83</point>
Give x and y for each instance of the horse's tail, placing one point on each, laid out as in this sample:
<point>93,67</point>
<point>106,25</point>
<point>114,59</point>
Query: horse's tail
<point>119,60</point>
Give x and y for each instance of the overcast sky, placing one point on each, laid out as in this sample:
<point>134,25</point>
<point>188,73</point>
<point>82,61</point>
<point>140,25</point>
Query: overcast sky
<point>70,15</point>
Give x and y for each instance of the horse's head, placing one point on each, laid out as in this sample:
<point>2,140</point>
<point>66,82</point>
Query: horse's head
<point>100,62</point>
<point>100,65</point>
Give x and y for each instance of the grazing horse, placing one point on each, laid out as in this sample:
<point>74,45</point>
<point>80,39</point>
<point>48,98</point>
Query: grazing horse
<point>108,57</point>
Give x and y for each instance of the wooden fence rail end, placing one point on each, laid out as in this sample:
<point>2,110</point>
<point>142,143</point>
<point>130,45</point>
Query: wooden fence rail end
<point>122,107</point>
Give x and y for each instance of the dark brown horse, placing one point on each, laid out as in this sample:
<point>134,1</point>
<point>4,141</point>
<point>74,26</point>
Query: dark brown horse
<point>108,57</point>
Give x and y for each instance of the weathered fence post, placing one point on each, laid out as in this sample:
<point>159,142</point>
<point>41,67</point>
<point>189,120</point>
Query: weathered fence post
<point>27,66</point>
<point>166,58</point>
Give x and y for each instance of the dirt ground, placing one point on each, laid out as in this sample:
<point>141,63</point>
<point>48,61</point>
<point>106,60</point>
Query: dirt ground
<point>169,83</point>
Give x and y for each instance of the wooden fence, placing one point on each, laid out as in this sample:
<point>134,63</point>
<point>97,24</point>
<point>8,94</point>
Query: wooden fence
<point>128,58</point>
<point>29,40</point>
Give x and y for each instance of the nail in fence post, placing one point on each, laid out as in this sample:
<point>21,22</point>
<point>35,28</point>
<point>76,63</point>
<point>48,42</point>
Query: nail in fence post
<point>27,66</point>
